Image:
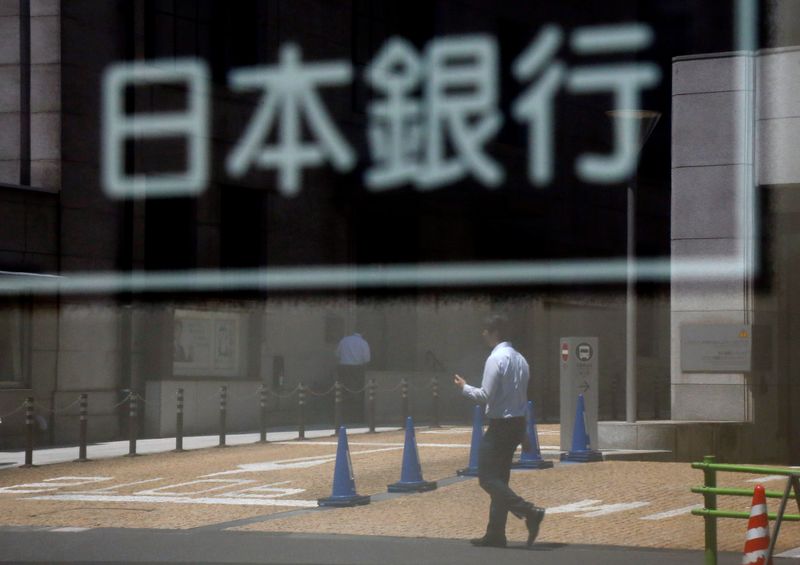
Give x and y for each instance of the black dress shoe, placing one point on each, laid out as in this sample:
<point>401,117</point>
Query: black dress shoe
<point>488,541</point>
<point>533,520</point>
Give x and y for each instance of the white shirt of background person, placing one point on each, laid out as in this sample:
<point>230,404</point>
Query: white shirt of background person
<point>353,350</point>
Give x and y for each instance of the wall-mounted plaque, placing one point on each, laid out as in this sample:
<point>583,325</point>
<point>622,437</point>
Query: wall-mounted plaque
<point>207,343</point>
<point>716,348</point>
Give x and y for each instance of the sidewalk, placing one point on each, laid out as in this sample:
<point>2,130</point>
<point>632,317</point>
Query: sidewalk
<point>107,450</point>
<point>158,546</point>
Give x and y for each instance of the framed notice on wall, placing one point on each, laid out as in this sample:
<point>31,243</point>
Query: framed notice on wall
<point>207,344</point>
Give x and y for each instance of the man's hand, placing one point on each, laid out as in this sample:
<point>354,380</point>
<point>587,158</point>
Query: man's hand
<point>459,382</point>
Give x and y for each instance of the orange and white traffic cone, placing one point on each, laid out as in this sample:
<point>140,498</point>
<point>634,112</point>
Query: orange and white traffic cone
<point>756,545</point>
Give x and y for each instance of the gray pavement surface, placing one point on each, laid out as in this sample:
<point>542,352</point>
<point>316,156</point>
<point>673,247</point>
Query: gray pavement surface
<point>27,545</point>
<point>106,450</point>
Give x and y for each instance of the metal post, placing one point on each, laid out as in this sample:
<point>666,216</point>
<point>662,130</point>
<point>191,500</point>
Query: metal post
<point>223,402</point>
<point>83,431</point>
<point>262,403</point>
<point>435,388</point>
<point>132,425</point>
<point>710,502</point>
<point>301,402</point>
<point>371,405</point>
<point>179,421</point>
<point>404,401</point>
<point>337,407</point>
<point>29,432</point>
<point>630,311</point>
<point>776,529</point>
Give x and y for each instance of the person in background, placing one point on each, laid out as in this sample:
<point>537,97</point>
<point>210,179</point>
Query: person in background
<point>353,355</point>
<point>504,391</point>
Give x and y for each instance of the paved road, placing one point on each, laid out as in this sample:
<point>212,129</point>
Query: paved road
<point>24,545</point>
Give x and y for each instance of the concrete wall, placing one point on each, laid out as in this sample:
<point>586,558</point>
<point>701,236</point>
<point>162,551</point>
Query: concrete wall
<point>710,164</point>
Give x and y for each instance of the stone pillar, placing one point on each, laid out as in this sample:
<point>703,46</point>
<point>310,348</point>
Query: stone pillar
<point>711,168</point>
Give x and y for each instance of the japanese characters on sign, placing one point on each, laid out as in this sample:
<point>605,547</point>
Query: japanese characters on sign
<point>428,125</point>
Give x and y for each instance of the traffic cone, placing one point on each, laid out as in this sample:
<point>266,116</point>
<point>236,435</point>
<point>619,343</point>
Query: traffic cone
<point>756,545</point>
<point>581,449</point>
<point>411,474</point>
<point>344,485</point>
<point>532,459</point>
<point>475,445</point>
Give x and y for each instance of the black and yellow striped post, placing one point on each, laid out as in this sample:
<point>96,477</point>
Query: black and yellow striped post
<point>435,389</point>
<point>29,432</point>
<point>179,420</point>
<point>84,428</point>
<point>133,424</point>
<point>371,405</point>
<point>262,405</point>
<point>337,407</point>
<point>404,398</point>
<point>301,406</point>
<point>223,412</point>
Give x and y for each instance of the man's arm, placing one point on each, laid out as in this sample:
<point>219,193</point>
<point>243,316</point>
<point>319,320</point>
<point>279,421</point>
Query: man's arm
<point>482,394</point>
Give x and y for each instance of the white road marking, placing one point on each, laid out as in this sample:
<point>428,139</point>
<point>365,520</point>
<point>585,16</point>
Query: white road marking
<point>593,508</point>
<point>266,491</point>
<point>400,445</point>
<point>69,529</point>
<point>573,507</point>
<point>221,485</point>
<point>51,484</point>
<point>115,488</point>
<point>299,463</point>
<point>672,513</point>
<point>605,509</point>
<point>178,500</point>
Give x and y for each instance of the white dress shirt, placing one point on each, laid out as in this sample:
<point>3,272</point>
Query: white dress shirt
<point>353,350</point>
<point>504,388</point>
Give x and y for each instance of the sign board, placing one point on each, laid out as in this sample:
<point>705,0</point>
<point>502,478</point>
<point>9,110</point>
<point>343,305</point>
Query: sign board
<point>716,348</point>
<point>207,344</point>
<point>579,375</point>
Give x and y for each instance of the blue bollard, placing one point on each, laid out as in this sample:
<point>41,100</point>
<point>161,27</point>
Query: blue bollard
<point>581,449</point>
<point>532,459</point>
<point>474,448</point>
<point>411,474</point>
<point>344,485</point>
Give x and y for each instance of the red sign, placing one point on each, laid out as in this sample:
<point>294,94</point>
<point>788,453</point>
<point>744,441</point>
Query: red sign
<point>564,352</point>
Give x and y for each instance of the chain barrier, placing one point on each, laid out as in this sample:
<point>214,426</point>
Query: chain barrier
<point>238,397</point>
<point>136,401</point>
<point>124,400</point>
<point>393,389</point>
<point>140,398</point>
<point>326,393</point>
<point>57,410</point>
<point>358,391</point>
<point>285,395</point>
<point>19,408</point>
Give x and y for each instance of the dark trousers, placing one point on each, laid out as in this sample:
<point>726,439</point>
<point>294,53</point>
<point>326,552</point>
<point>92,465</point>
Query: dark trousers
<point>494,470</point>
<point>352,378</point>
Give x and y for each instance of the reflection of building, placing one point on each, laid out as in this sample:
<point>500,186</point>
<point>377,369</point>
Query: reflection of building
<point>54,218</point>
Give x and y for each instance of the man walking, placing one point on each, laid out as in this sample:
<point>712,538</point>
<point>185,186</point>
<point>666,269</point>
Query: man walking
<point>504,391</point>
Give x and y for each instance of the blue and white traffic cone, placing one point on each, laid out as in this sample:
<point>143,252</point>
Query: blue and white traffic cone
<point>411,474</point>
<point>532,459</point>
<point>582,451</point>
<point>475,446</point>
<point>344,485</point>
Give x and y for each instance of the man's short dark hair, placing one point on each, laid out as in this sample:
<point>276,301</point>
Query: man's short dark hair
<point>497,323</point>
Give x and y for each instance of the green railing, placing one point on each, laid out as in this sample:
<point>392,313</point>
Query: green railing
<point>710,491</point>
